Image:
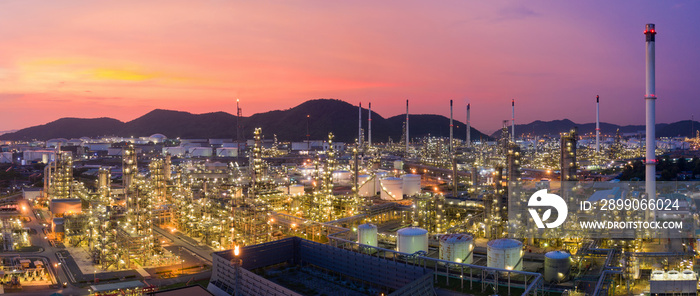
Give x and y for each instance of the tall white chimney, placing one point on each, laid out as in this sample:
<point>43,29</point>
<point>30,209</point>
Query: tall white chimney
<point>597,124</point>
<point>650,98</point>
<point>369,126</point>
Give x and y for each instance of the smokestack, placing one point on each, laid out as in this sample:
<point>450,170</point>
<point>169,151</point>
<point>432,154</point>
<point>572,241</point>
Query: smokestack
<point>469,127</point>
<point>512,124</point>
<point>407,137</point>
<point>650,98</point>
<point>597,124</point>
<point>359,126</point>
<point>451,127</point>
<point>238,126</point>
<point>369,126</point>
<point>452,156</point>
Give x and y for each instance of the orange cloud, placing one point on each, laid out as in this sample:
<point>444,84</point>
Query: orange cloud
<point>117,74</point>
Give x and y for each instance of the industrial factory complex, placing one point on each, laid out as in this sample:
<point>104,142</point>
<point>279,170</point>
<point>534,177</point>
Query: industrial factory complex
<point>510,215</point>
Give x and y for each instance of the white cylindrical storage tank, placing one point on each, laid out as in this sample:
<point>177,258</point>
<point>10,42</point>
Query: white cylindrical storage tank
<point>392,188</point>
<point>367,234</point>
<point>306,171</point>
<point>296,189</point>
<point>342,177</point>
<point>378,176</point>
<point>6,157</point>
<point>366,184</point>
<point>505,253</point>
<point>457,247</point>
<point>200,151</point>
<point>411,184</point>
<point>411,240</point>
<point>557,265</point>
<point>226,152</point>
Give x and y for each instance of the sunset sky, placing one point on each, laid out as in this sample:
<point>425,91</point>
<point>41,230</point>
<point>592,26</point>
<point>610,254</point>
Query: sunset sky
<point>122,59</point>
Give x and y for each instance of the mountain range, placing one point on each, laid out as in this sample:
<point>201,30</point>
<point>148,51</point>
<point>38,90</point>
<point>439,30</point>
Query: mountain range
<point>553,128</point>
<point>324,116</point>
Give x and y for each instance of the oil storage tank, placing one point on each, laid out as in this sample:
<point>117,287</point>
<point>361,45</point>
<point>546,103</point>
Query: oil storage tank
<point>411,184</point>
<point>378,176</point>
<point>367,188</point>
<point>557,265</point>
<point>411,240</point>
<point>504,253</point>
<point>342,177</point>
<point>200,151</point>
<point>392,188</point>
<point>367,234</point>
<point>296,189</point>
<point>457,247</point>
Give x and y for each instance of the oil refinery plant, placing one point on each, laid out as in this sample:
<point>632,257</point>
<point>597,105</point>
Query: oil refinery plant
<point>406,217</point>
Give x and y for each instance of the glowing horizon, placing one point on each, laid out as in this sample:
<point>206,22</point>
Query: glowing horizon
<point>124,59</point>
